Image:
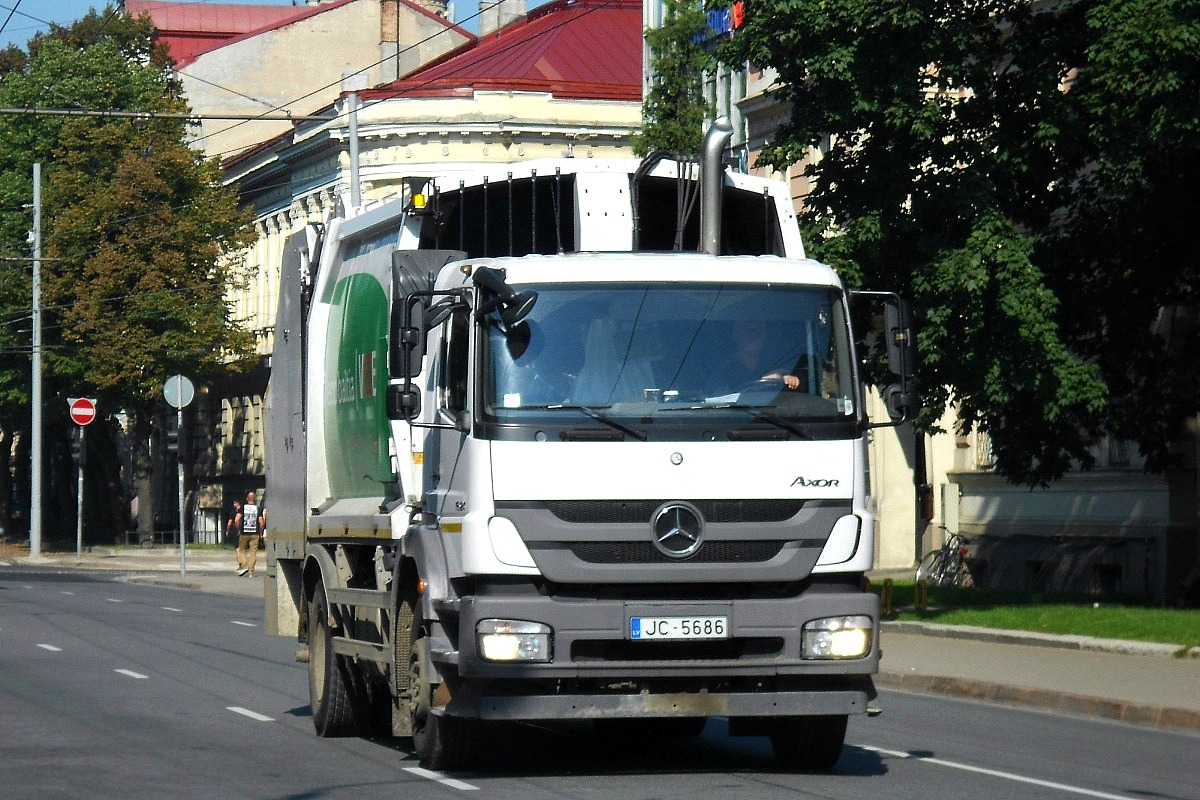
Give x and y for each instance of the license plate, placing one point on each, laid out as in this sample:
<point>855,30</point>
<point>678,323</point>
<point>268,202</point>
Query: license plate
<point>660,628</point>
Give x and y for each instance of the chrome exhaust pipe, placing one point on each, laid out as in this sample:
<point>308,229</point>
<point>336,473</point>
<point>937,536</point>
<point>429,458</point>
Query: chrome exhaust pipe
<point>712,179</point>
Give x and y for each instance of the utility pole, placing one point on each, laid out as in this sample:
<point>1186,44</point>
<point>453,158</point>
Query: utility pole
<point>354,83</point>
<point>35,439</point>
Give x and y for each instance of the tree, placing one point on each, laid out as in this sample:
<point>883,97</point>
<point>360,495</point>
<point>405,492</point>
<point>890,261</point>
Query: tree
<point>1021,170</point>
<point>138,232</point>
<point>674,109</point>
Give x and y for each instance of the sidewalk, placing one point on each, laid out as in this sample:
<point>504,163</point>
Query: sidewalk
<point>1129,681</point>
<point>1136,682</point>
<point>204,570</point>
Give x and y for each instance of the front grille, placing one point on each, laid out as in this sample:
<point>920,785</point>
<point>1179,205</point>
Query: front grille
<point>647,553</point>
<point>714,511</point>
<point>758,648</point>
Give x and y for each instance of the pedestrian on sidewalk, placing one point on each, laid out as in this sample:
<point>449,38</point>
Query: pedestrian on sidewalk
<point>251,523</point>
<point>233,530</point>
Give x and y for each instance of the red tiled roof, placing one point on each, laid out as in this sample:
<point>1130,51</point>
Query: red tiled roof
<point>572,48</point>
<point>190,29</point>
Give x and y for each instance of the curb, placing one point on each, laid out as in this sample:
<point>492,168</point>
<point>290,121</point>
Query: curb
<point>1134,713</point>
<point>1060,641</point>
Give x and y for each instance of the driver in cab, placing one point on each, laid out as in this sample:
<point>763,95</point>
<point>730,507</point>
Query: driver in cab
<point>747,366</point>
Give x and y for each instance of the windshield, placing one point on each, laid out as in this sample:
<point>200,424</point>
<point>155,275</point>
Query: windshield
<point>657,351</point>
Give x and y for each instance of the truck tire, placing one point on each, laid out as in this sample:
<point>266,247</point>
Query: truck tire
<point>808,744</point>
<point>441,742</point>
<point>329,680</point>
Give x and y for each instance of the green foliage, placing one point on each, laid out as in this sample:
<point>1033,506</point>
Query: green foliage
<point>674,109</point>
<point>1025,172</point>
<point>137,228</point>
<point>138,237</point>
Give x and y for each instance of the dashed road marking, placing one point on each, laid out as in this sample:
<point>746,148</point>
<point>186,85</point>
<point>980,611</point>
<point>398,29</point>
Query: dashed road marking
<point>51,648</point>
<point>254,715</point>
<point>115,600</point>
<point>995,773</point>
<point>244,624</point>
<point>444,780</point>
<point>131,674</point>
<point>176,610</point>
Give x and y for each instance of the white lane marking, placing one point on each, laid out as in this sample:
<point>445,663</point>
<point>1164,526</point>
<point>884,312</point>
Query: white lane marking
<point>245,712</point>
<point>68,593</point>
<point>1008,776</point>
<point>51,648</point>
<point>176,610</point>
<point>429,774</point>
<point>130,673</point>
<point>244,624</point>
<point>115,600</point>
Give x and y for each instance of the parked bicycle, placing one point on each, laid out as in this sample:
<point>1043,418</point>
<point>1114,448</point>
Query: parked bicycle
<point>947,566</point>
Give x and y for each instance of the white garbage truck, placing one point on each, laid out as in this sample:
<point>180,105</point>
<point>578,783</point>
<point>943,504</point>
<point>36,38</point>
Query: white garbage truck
<point>576,439</point>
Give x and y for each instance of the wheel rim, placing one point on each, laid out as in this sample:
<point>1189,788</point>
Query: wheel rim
<point>418,688</point>
<point>317,652</point>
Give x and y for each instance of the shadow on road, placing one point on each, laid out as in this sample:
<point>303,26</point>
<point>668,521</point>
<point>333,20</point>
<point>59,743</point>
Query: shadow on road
<point>574,748</point>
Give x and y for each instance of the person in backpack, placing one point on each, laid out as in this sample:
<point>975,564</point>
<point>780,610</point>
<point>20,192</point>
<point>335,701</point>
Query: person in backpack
<point>251,524</point>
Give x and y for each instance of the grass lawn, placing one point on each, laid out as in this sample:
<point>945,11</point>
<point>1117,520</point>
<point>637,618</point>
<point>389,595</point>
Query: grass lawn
<point>1103,617</point>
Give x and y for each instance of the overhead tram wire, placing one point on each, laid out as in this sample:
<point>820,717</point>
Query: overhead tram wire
<point>242,119</point>
<point>11,11</point>
<point>147,115</point>
<point>424,41</point>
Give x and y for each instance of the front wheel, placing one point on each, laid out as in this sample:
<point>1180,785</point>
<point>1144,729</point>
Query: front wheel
<point>441,742</point>
<point>808,744</point>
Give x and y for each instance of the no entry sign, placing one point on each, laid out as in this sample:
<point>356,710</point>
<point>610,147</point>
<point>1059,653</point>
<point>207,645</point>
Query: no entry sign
<point>83,410</point>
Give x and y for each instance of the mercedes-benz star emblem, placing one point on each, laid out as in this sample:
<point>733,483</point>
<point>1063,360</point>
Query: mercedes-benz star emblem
<point>678,530</point>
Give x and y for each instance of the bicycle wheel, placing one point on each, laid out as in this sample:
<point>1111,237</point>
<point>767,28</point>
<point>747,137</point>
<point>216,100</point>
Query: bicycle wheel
<point>957,572</point>
<point>932,569</point>
<point>960,576</point>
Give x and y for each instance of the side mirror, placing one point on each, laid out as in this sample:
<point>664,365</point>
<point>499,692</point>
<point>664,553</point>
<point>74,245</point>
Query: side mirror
<point>403,401</point>
<point>897,341</point>
<point>406,343</point>
<point>898,401</point>
<point>514,306</point>
<point>898,337</point>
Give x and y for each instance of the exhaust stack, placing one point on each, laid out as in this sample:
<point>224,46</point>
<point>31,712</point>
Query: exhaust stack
<point>712,179</point>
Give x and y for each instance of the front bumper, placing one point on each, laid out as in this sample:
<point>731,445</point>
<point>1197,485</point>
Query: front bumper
<point>597,671</point>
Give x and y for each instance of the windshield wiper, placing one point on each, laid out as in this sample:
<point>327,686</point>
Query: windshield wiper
<point>778,422</point>
<point>755,411</point>
<point>600,417</point>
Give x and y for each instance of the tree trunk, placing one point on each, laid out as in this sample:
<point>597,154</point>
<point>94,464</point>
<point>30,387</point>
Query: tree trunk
<point>143,474</point>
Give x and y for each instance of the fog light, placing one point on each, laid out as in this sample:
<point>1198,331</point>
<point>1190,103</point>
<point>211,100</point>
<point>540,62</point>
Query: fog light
<point>514,640</point>
<point>837,637</point>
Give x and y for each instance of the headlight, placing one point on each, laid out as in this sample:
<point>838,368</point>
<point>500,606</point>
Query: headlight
<point>836,637</point>
<point>514,640</point>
